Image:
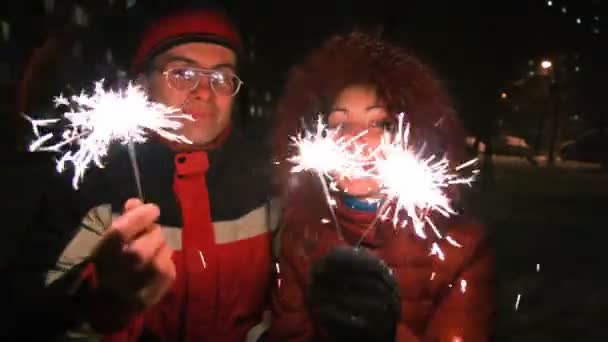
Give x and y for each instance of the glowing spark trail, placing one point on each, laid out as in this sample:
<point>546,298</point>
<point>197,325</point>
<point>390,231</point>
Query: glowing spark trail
<point>517,301</point>
<point>95,121</point>
<point>463,285</point>
<point>435,250</point>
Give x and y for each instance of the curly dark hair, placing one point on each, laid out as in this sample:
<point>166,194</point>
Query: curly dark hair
<point>401,80</point>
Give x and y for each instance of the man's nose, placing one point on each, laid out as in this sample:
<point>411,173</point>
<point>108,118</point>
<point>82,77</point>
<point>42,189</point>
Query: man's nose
<point>203,89</point>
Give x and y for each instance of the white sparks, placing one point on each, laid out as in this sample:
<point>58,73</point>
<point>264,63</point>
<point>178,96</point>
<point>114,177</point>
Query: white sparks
<point>435,250</point>
<point>432,275</point>
<point>328,155</point>
<point>95,121</point>
<point>323,151</point>
<point>39,123</point>
<point>416,184</point>
<point>430,222</point>
<point>453,242</point>
<point>517,301</point>
<point>325,221</point>
<point>463,286</point>
<point>202,259</point>
<point>413,185</point>
<point>277,268</point>
<point>537,267</point>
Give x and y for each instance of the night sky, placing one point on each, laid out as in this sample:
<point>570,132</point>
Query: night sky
<point>478,47</point>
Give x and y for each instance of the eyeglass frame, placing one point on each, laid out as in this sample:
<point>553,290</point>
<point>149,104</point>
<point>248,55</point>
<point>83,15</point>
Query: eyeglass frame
<point>207,72</point>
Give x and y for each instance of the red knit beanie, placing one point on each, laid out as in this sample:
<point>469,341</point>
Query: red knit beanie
<point>202,25</point>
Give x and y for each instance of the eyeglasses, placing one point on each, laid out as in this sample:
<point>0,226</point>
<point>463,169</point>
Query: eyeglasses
<point>222,82</point>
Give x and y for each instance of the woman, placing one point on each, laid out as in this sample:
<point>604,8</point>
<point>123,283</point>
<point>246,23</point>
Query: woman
<point>362,83</point>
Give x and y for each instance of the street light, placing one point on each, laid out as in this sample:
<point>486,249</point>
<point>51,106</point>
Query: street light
<point>549,71</point>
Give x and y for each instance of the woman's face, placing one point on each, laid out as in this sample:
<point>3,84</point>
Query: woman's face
<point>357,109</point>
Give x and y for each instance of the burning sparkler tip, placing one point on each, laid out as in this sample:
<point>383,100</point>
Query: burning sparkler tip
<point>96,120</point>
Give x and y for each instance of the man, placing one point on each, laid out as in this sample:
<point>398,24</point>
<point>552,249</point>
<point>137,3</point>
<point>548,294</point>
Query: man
<point>193,262</point>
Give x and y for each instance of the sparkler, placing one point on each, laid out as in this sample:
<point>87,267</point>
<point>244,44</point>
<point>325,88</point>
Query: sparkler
<point>326,154</point>
<point>414,183</point>
<point>95,121</point>
<point>412,186</point>
<point>323,151</point>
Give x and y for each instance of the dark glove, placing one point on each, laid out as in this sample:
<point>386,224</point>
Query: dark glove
<point>353,297</point>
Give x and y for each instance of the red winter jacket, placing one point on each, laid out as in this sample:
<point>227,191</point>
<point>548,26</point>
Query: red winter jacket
<point>215,215</point>
<point>441,300</point>
<point>223,265</point>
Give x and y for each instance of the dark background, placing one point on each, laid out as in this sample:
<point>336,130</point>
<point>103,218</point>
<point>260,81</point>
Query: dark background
<point>487,52</point>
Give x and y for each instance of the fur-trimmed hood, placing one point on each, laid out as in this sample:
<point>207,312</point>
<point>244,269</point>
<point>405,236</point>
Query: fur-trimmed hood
<point>403,82</point>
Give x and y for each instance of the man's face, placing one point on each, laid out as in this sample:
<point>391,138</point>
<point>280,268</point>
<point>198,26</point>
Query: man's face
<point>211,109</point>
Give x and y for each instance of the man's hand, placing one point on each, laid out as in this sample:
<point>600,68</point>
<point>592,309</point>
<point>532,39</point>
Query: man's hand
<point>133,261</point>
<point>353,297</point>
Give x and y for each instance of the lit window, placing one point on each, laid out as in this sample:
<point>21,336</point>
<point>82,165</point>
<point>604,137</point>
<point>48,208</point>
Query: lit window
<point>80,16</point>
<point>564,9</point>
<point>6,30</point>
<point>578,20</point>
<point>49,6</point>
<point>549,3</point>
<point>109,56</point>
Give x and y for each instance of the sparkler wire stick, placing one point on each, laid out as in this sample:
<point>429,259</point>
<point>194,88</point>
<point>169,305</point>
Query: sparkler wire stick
<point>330,204</point>
<point>379,213</point>
<point>133,158</point>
